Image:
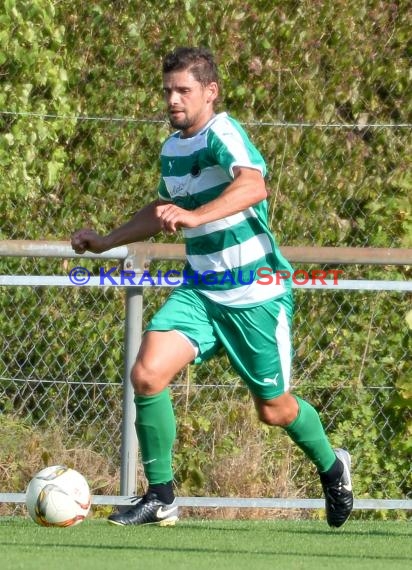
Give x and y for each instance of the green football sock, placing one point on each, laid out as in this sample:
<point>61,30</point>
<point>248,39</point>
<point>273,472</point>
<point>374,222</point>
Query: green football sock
<point>308,434</point>
<point>156,432</point>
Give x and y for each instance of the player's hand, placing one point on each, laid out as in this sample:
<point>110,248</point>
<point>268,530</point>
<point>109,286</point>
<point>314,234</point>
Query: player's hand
<point>173,218</point>
<point>88,240</point>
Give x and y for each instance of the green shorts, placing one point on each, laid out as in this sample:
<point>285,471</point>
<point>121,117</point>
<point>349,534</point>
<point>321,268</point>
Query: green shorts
<point>256,339</point>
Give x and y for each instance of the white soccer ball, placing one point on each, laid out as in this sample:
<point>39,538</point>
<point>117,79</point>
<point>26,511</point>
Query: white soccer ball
<point>58,496</point>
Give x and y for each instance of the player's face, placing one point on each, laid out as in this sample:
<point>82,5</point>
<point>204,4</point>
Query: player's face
<point>189,103</point>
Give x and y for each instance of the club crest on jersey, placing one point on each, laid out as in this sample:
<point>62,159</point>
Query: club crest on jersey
<point>195,170</point>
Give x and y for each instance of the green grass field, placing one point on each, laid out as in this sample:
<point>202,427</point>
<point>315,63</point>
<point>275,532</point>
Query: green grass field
<point>201,545</point>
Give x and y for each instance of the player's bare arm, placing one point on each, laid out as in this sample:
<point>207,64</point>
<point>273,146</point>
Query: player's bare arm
<point>145,223</point>
<point>247,189</point>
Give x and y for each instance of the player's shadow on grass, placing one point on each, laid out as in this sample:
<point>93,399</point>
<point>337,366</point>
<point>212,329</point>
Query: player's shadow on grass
<point>322,532</point>
<point>212,551</point>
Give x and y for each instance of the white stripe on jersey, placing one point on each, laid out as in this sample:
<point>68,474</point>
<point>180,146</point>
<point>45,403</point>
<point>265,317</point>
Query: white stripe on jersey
<point>234,256</point>
<point>218,225</point>
<point>178,147</point>
<point>187,184</point>
<point>246,294</point>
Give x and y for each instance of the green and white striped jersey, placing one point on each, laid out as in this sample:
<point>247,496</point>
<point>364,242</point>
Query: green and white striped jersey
<point>224,256</point>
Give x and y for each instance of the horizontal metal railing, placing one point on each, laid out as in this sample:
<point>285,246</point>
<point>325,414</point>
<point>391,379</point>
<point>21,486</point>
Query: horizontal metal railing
<point>150,251</point>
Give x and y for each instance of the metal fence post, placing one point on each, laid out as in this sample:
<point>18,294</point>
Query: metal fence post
<point>133,336</point>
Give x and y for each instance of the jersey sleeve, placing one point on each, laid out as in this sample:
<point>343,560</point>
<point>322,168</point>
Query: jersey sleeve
<point>230,146</point>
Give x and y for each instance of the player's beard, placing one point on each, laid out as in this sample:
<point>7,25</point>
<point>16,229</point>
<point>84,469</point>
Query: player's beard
<point>181,124</point>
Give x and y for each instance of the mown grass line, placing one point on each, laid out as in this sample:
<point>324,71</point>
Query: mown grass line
<point>201,545</point>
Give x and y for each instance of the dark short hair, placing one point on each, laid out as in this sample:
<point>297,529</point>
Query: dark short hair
<point>199,61</point>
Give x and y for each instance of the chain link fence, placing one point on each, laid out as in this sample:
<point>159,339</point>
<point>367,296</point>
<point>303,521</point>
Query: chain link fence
<point>61,371</point>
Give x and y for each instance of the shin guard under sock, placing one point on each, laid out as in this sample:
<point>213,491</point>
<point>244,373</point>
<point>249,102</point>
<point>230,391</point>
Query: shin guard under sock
<point>156,432</point>
<point>308,434</point>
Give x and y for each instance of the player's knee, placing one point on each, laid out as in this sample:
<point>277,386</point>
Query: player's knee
<point>280,412</point>
<point>270,417</point>
<point>145,379</point>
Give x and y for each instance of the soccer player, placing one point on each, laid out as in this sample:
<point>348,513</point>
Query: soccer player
<point>212,187</point>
